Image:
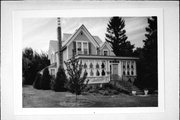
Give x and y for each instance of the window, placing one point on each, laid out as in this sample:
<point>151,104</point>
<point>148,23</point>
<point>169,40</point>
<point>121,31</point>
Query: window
<point>132,73</point>
<point>85,48</point>
<point>82,47</point>
<point>124,64</point>
<point>105,53</point>
<point>124,73</point>
<point>85,72</point>
<point>97,73</point>
<point>127,72</point>
<point>132,66</point>
<point>91,73</point>
<point>103,66</point>
<point>85,66</point>
<point>97,66</point>
<point>79,46</point>
<point>91,65</point>
<point>103,73</point>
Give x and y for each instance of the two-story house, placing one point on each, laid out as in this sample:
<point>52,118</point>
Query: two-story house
<point>97,57</point>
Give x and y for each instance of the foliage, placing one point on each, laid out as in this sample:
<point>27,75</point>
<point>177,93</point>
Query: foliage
<point>58,84</point>
<point>116,36</point>
<point>76,82</point>
<point>45,81</point>
<point>147,65</point>
<point>32,62</point>
<point>36,83</point>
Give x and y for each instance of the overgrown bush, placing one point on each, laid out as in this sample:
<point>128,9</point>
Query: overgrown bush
<point>45,81</point>
<point>37,81</point>
<point>58,84</point>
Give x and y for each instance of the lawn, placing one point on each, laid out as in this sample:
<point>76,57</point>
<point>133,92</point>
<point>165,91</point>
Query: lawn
<point>48,98</point>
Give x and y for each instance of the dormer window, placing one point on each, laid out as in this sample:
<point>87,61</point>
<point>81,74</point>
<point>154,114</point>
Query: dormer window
<point>105,52</point>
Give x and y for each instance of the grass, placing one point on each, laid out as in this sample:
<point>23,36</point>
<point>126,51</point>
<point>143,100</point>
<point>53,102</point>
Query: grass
<point>48,98</point>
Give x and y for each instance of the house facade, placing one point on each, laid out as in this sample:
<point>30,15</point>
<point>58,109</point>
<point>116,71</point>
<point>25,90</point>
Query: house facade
<point>97,57</point>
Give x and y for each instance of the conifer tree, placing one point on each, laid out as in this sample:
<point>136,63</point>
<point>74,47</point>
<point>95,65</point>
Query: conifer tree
<point>150,54</point>
<point>45,80</point>
<point>116,36</point>
<point>58,84</point>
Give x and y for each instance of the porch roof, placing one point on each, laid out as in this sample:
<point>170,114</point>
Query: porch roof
<point>105,57</point>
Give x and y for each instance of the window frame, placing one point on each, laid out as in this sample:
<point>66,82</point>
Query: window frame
<point>82,46</point>
<point>106,50</point>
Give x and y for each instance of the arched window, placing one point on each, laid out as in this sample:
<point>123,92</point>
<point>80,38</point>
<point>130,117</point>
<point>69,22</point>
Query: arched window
<point>103,73</point>
<point>102,65</point>
<point>132,73</point>
<point>128,66</point>
<point>124,73</point>
<point>97,66</point>
<point>91,65</point>
<point>91,73</point>
<point>127,72</point>
<point>85,72</point>
<point>132,66</point>
<point>97,73</point>
<point>85,66</point>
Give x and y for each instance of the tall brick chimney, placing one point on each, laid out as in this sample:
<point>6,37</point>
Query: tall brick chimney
<point>60,54</point>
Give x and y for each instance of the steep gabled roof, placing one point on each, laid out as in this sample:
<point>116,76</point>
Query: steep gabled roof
<point>67,37</point>
<point>107,44</point>
<point>100,42</point>
<point>84,29</point>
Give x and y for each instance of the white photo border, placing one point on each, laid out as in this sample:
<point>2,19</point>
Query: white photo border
<point>18,16</point>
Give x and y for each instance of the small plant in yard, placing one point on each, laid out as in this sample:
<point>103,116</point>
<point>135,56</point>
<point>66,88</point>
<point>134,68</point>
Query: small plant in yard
<point>45,81</point>
<point>58,84</point>
<point>77,80</point>
<point>36,83</point>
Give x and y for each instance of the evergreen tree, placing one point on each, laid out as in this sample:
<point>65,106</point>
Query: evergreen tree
<point>36,83</point>
<point>150,54</point>
<point>32,63</point>
<point>147,76</point>
<point>45,80</point>
<point>116,36</point>
<point>58,84</point>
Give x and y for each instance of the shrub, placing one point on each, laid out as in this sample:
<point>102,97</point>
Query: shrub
<point>45,81</point>
<point>36,83</point>
<point>58,84</point>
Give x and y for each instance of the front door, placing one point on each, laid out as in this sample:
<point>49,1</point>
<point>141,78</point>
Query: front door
<point>114,74</point>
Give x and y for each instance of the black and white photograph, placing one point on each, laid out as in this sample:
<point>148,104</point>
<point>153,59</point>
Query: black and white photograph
<point>90,62</point>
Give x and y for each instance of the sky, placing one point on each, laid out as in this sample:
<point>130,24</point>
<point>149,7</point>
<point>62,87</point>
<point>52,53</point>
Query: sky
<point>37,32</point>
